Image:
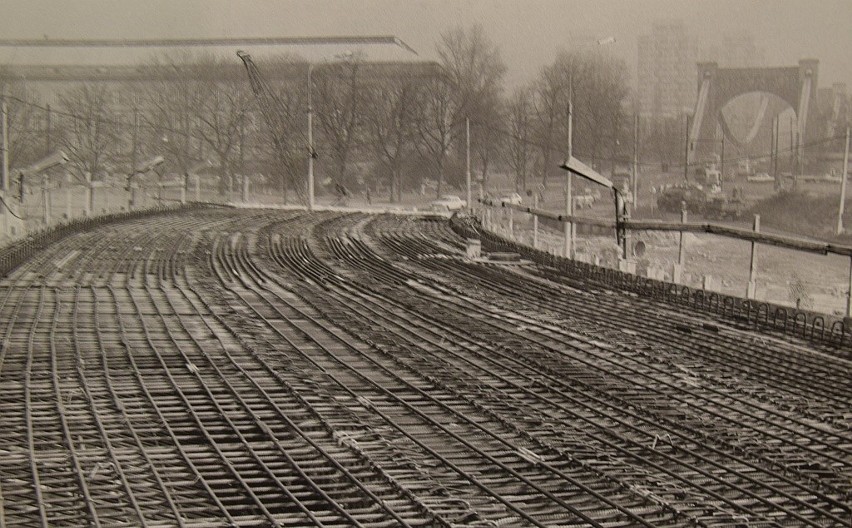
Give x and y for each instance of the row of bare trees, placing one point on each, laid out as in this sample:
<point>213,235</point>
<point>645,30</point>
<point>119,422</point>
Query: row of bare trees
<point>388,127</point>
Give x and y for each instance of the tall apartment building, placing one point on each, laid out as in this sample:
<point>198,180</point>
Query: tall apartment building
<point>667,60</point>
<point>666,70</point>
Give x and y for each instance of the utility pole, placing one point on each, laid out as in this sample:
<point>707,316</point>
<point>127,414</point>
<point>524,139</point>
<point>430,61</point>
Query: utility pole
<point>535,220</point>
<point>797,168</point>
<point>843,185</point>
<point>49,148</point>
<point>5,119</point>
<point>310,142</point>
<point>686,152</point>
<point>722,158</point>
<point>569,180</point>
<point>792,167</point>
<point>467,161</point>
<point>45,196</point>
<point>134,142</point>
<point>4,177</point>
<point>635,171</point>
<point>773,151</point>
<point>68,197</point>
<point>133,153</point>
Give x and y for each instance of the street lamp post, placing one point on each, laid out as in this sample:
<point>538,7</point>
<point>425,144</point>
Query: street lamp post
<point>41,167</point>
<point>145,167</point>
<point>467,163</point>
<point>575,166</point>
<point>569,181</point>
<point>311,152</point>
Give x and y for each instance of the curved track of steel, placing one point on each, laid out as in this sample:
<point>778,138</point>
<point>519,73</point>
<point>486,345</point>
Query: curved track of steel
<point>215,367</point>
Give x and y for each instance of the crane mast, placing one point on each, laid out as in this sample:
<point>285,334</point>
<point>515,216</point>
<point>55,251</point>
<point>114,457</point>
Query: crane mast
<point>273,113</point>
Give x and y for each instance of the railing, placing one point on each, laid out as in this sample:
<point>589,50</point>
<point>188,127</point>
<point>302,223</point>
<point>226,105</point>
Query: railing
<point>23,249</point>
<point>755,314</point>
<point>784,241</point>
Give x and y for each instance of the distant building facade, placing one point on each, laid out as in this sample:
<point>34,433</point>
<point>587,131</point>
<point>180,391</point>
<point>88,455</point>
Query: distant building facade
<point>665,70</point>
<point>666,65</point>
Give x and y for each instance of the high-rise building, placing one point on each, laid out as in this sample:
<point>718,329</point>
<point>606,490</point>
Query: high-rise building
<point>667,59</point>
<point>666,70</point>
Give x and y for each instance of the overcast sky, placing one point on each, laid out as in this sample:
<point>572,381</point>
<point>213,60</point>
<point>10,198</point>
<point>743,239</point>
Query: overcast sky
<point>528,32</point>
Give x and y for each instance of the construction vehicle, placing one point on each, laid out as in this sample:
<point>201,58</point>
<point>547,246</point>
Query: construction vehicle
<point>709,177</point>
<point>697,199</point>
<point>273,113</point>
<point>724,207</point>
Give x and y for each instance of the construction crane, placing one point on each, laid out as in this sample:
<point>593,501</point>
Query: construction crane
<point>273,113</point>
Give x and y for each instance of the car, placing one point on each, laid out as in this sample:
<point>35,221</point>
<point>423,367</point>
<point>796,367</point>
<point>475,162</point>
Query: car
<point>513,198</point>
<point>760,177</point>
<point>448,202</point>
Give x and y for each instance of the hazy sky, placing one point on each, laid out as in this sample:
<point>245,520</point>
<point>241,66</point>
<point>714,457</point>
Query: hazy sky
<point>528,31</point>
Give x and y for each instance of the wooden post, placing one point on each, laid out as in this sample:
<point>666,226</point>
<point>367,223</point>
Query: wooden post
<point>69,210</point>
<point>535,220</point>
<point>752,272</point>
<point>467,163</point>
<point>197,188</point>
<point>843,185</point>
<point>45,197</point>
<point>568,249</point>
<point>512,224</point>
<point>106,195</point>
<point>686,152</point>
<point>4,183</point>
<point>635,171</point>
<point>677,269</point>
<point>245,188</point>
<point>849,293</point>
<point>4,175</point>
<point>89,198</point>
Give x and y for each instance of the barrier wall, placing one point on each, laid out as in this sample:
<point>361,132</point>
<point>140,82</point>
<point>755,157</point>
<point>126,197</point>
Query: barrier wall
<point>763,316</point>
<point>21,250</point>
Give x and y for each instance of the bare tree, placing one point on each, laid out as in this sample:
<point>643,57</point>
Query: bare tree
<point>390,120</point>
<point>285,151</point>
<point>600,88</point>
<point>26,123</point>
<point>167,113</point>
<point>89,135</point>
<point>222,110</point>
<point>549,105</point>
<point>597,86</point>
<point>474,68</point>
<point>197,107</point>
<point>436,113</point>
<point>519,148</point>
<point>339,98</point>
